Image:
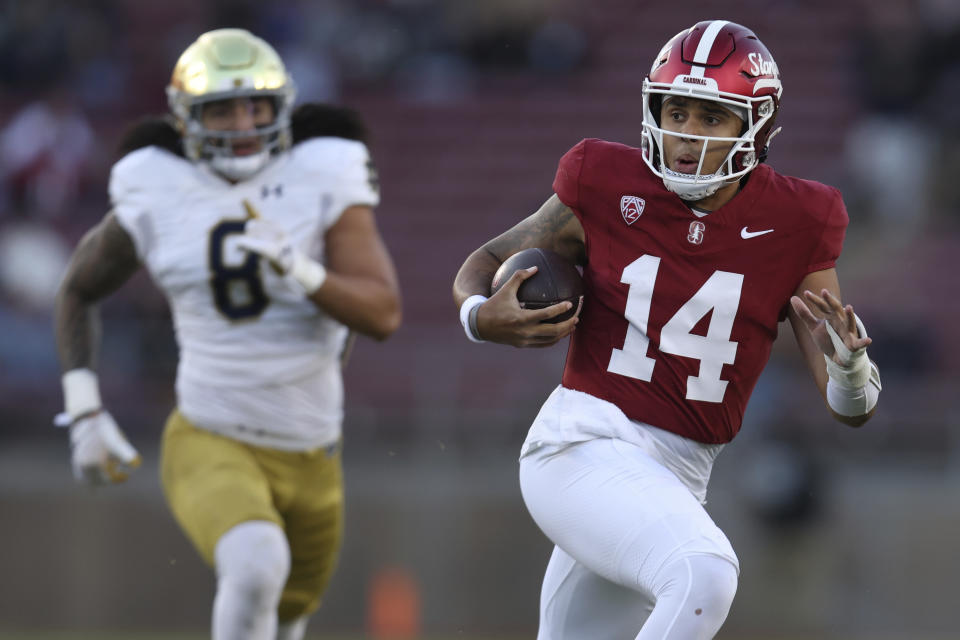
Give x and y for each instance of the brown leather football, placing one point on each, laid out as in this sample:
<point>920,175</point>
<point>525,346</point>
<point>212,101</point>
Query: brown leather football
<point>556,280</point>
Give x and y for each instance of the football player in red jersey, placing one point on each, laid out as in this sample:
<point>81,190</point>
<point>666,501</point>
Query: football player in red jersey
<point>693,251</point>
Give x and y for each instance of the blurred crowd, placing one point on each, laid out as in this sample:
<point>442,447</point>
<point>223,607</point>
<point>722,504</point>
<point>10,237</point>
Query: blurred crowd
<point>72,75</point>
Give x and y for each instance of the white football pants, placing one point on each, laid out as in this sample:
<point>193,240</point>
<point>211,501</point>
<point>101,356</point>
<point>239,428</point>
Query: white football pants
<point>636,555</point>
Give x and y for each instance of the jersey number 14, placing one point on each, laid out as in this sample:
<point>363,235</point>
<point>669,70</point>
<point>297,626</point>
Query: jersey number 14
<point>721,293</point>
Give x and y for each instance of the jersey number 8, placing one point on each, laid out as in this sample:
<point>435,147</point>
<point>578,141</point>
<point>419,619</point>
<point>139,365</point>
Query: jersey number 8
<point>238,291</point>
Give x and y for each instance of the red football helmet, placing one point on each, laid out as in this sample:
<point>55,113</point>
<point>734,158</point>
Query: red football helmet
<point>726,63</point>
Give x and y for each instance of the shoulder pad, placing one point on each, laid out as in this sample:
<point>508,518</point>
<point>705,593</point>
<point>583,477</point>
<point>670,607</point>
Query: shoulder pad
<point>331,154</point>
<point>150,172</point>
<point>151,132</point>
<point>315,120</point>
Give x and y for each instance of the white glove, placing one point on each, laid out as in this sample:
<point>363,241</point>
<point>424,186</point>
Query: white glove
<point>270,241</point>
<point>100,452</point>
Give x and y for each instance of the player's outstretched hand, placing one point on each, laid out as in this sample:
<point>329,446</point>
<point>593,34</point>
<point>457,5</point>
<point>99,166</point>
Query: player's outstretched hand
<point>817,310</point>
<point>502,319</point>
<point>101,453</point>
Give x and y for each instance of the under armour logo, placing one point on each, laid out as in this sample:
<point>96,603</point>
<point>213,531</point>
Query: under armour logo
<point>631,207</point>
<point>276,190</point>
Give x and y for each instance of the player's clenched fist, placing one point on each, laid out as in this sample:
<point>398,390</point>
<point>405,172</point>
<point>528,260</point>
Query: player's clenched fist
<point>271,242</point>
<point>100,452</point>
<point>502,319</point>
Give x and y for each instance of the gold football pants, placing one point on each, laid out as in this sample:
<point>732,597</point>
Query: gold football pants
<point>213,483</point>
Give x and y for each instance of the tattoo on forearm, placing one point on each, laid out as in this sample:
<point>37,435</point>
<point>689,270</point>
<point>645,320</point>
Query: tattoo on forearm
<point>78,333</point>
<point>104,260</point>
<point>553,226</point>
<point>548,227</point>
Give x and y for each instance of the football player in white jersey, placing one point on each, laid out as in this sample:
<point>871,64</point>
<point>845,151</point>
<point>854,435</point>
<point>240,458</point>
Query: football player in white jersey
<point>259,229</point>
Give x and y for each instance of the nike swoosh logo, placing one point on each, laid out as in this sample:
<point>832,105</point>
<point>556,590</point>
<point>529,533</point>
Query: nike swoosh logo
<point>753,234</point>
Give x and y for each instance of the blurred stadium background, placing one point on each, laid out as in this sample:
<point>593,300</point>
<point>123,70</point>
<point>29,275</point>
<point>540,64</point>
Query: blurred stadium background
<point>841,533</point>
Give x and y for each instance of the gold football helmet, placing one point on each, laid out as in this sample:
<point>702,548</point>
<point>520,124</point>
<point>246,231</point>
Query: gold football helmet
<point>224,64</point>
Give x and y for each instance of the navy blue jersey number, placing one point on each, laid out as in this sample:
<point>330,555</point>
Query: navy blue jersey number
<point>237,289</point>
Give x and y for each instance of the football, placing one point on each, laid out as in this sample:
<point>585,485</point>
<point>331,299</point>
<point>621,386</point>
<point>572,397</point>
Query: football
<point>556,280</point>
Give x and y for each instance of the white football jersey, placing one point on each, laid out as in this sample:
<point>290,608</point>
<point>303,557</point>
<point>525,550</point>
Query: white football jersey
<point>258,361</point>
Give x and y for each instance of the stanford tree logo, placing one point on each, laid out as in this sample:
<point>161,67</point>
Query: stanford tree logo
<point>696,232</point>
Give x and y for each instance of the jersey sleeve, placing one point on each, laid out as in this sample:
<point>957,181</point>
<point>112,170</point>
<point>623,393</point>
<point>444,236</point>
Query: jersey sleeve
<point>354,176</point>
<point>566,184</point>
<point>130,199</point>
<point>828,248</point>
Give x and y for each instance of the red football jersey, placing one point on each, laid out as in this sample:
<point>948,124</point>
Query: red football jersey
<point>680,311</point>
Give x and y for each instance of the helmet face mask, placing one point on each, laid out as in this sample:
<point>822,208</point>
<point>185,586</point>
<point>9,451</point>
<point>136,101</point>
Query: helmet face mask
<point>218,146</point>
<point>720,62</point>
<point>228,64</point>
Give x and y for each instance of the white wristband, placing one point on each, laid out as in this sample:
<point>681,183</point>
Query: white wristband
<point>855,402</point>
<point>81,392</point>
<point>308,272</point>
<point>853,387</point>
<point>468,317</point>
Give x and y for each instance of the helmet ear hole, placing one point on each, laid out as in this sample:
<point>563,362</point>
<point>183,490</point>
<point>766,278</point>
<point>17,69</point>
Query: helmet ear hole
<point>721,62</point>
<point>656,104</point>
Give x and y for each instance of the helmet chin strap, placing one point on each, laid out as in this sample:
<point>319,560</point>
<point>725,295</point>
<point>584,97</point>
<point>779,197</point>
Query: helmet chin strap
<point>239,167</point>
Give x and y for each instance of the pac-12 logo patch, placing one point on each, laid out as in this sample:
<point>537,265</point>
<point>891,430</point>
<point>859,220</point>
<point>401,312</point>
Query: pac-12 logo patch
<point>631,207</point>
<point>696,232</point>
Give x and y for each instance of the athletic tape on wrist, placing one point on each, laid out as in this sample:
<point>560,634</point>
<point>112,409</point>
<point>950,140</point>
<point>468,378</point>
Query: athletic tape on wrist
<point>468,316</point>
<point>308,272</point>
<point>843,352</point>
<point>855,402</point>
<point>855,370</point>
<point>81,392</point>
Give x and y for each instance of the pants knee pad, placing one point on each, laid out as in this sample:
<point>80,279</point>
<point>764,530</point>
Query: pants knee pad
<point>701,585</point>
<point>715,580</point>
<point>253,560</point>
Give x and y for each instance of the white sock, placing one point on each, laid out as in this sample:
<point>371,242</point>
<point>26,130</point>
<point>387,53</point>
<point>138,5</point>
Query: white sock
<point>253,561</point>
<point>293,630</point>
<point>694,595</point>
